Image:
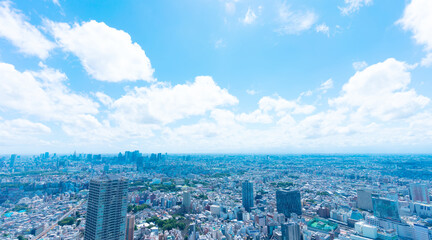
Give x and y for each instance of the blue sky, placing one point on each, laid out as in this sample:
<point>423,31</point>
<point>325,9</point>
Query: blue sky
<point>214,76</point>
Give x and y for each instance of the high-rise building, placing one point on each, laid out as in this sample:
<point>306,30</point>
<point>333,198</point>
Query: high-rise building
<point>107,206</point>
<point>386,209</point>
<point>140,164</point>
<point>247,195</point>
<point>290,231</point>
<point>364,199</point>
<point>288,201</point>
<point>186,201</point>
<point>419,192</point>
<point>12,160</point>
<point>130,225</point>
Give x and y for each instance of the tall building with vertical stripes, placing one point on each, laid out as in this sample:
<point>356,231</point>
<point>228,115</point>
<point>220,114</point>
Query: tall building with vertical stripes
<point>419,192</point>
<point>247,195</point>
<point>288,201</point>
<point>107,206</point>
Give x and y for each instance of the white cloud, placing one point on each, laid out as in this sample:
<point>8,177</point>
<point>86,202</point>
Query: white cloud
<point>22,127</point>
<point>294,22</point>
<point>104,99</point>
<point>282,106</point>
<point>323,28</point>
<point>42,94</point>
<point>21,132</point>
<point>251,92</point>
<point>15,28</point>
<point>106,53</point>
<point>352,6</point>
<point>326,85</point>
<point>427,61</point>
<point>257,116</point>
<point>164,104</point>
<point>250,17</point>
<point>417,18</point>
<point>308,93</point>
<point>358,66</point>
<point>381,91</point>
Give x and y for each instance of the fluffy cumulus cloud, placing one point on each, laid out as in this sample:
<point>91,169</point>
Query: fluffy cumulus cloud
<point>161,103</point>
<point>352,6</point>
<point>22,132</point>
<point>257,116</point>
<point>381,91</point>
<point>107,54</point>
<point>22,127</point>
<point>282,106</point>
<point>42,94</point>
<point>295,21</point>
<point>417,18</point>
<point>26,37</point>
<point>376,106</point>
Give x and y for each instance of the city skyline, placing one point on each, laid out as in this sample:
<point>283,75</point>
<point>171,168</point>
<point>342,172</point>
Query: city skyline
<point>216,76</point>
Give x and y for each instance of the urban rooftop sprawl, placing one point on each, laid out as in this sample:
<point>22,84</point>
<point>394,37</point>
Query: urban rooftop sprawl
<point>169,196</point>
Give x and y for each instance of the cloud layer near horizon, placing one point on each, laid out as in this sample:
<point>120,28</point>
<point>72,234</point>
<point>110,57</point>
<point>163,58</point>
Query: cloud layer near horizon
<point>376,106</point>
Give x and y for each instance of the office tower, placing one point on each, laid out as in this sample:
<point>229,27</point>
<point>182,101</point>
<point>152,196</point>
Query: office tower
<point>290,231</point>
<point>386,209</point>
<point>153,158</point>
<point>140,164</point>
<point>288,201</point>
<point>46,156</point>
<point>130,225</point>
<point>106,211</point>
<point>12,160</point>
<point>419,192</point>
<point>364,199</point>
<point>128,156</point>
<point>186,201</point>
<point>135,155</point>
<point>247,195</point>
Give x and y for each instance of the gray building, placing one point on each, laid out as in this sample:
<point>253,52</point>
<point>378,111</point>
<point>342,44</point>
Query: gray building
<point>288,201</point>
<point>364,199</point>
<point>186,201</point>
<point>107,206</point>
<point>290,231</point>
<point>247,195</point>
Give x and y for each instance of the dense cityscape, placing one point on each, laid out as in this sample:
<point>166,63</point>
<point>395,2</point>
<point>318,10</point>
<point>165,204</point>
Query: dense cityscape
<point>166,196</point>
<point>215,120</point>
